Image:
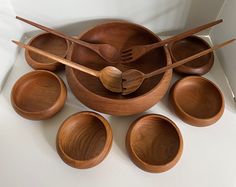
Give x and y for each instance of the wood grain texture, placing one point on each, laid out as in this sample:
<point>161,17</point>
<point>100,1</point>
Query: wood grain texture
<point>38,95</point>
<point>132,79</point>
<point>109,76</point>
<point>108,52</point>
<point>154,143</point>
<point>133,53</point>
<point>197,101</point>
<point>50,43</point>
<point>189,46</point>
<point>84,140</point>
<point>92,93</point>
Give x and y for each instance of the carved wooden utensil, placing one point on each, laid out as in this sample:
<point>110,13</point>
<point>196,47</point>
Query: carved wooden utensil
<point>108,52</point>
<point>110,76</point>
<point>132,79</point>
<point>135,52</point>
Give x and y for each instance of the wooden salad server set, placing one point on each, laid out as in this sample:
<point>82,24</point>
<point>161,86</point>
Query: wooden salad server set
<point>112,78</point>
<point>110,54</point>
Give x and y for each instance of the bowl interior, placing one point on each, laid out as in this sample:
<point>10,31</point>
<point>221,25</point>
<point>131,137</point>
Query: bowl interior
<point>36,91</point>
<point>50,43</point>
<point>155,140</point>
<point>83,137</point>
<point>121,35</point>
<point>201,98</point>
<point>188,47</point>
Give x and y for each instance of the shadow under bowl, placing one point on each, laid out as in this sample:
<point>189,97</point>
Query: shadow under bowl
<point>187,47</point>
<point>154,143</point>
<point>91,92</point>
<point>49,43</point>
<point>38,95</point>
<point>84,140</point>
<point>197,101</point>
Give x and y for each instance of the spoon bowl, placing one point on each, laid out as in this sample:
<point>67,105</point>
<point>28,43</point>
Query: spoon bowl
<point>110,77</point>
<point>108,52</point>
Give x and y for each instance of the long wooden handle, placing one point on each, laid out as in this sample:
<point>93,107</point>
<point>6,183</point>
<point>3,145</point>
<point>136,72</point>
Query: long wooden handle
<point>57,33</point>
<point>183,35</point>
<point>193,57</point>
<point>59,59</point>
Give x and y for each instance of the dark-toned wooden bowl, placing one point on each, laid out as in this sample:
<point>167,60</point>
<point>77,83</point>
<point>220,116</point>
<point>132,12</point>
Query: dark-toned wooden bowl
<point>84,140</point>
<point>50,43</point>
<point>188,47</point>
<point>91,92</point>
<point>197,101</point>
<point>38,95</point>
<point>154,143</point>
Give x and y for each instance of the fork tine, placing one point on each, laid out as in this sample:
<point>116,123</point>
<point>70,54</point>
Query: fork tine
<point>126,50</point>
<point>126,54</point>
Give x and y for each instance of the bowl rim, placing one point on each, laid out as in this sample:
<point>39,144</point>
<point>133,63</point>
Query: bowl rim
<point>28,56</point>
<point>144,165</point>
<point>201,122</point>
<point>62,95</point>
<point>189,69</point>
<point>94,160</point>
<point>166,52</point>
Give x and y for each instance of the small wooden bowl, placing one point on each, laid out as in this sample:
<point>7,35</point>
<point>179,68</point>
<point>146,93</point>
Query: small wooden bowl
<point>50,43</point>
<point>197,101</point>
<point>89,90</point>
<point>84,140</point>
<point>154,143</point>
<point>187,47</point>
<point>38,95</point>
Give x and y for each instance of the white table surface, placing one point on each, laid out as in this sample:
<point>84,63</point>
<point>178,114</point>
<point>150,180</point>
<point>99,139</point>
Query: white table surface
<point>28,156</point>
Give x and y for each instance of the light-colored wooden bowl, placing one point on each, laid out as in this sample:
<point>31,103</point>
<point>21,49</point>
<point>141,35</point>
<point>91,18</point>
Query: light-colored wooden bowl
<point>154,143</point>
<point>84,140</point>
<point>91,92</point>
<point>50,43</point>
<point>197,101</point>
<point>38,95</point>
<point>188,47</point>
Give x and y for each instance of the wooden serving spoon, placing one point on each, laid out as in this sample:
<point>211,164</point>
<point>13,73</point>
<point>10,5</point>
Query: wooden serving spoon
<point>132,79</point>
<point>110,76</point>
<point>135,52</point>
<point>108,52</point>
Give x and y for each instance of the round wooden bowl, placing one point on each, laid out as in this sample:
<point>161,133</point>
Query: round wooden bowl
<point>188,47</point>
<point>91,92</point>
<point>84,140</point>
<point>38,95</point>
<point>154,143</point>
<point>197,101</point>
<point>50,43</point>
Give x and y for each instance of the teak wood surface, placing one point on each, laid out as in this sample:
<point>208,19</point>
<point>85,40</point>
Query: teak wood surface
<point>84,140</point>
<point>91,92</point>
<point>49,43</point>
<point>186,47</point>
<point>154,143</point>
<point>38,95</point>
<point>202,103</point>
